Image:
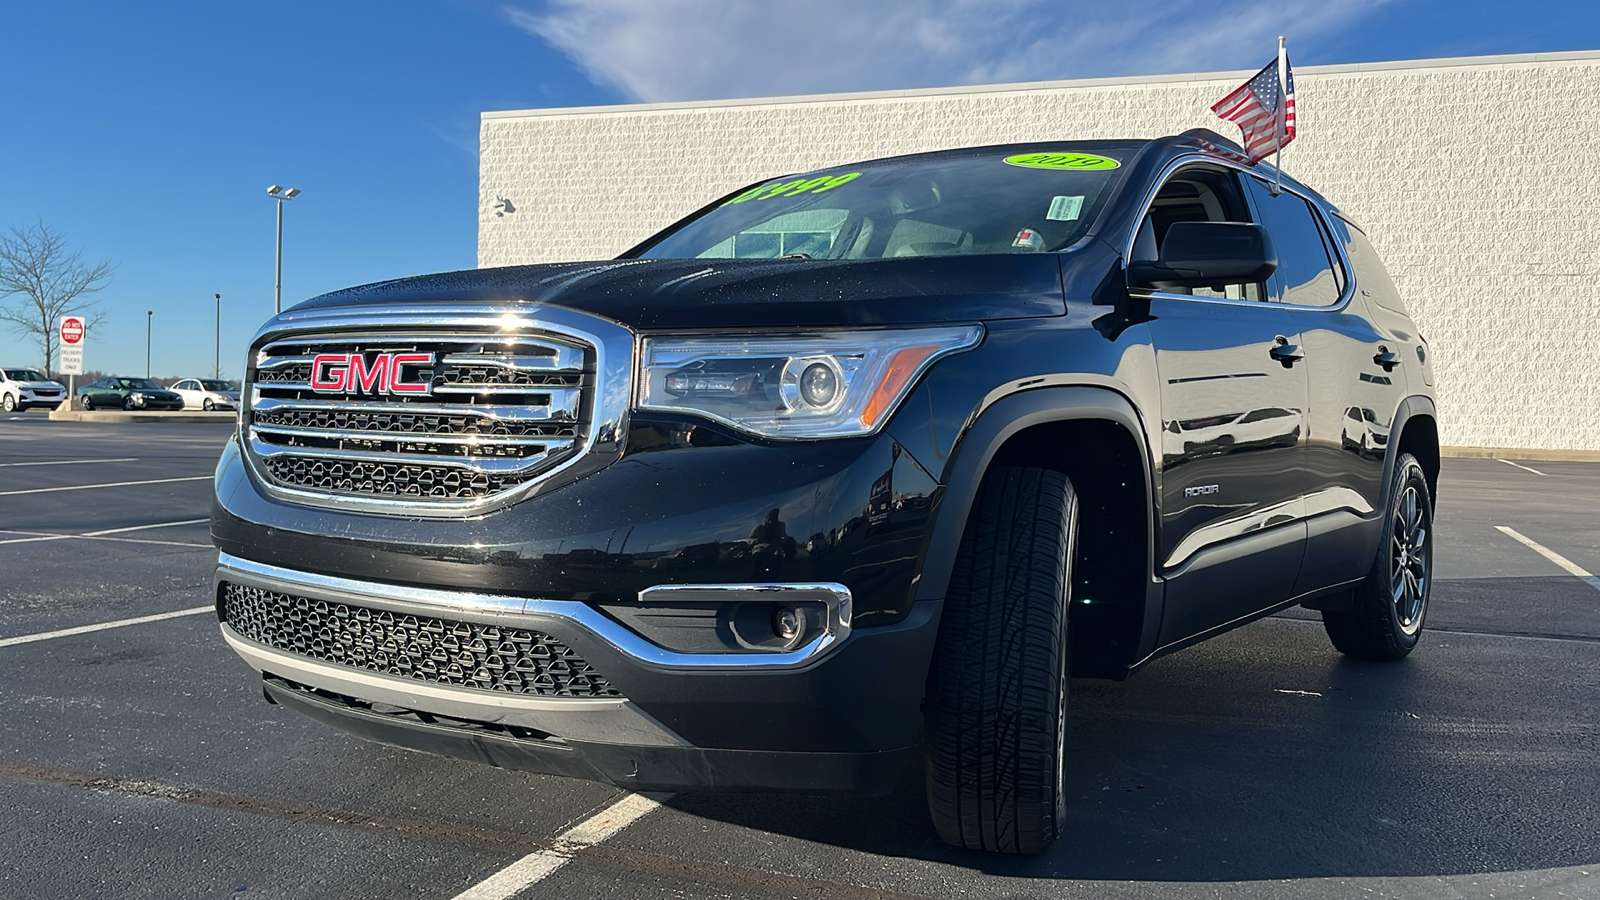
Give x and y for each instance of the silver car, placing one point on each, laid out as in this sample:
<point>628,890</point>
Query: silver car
<point>207,393</point>
<point>24,388</point>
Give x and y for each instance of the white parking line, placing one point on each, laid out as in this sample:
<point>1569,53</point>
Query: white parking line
<point>86,487</point>
<point>1521,466</point>
<point>105,535</point>
<point>1554,557</point>
<point>86,629</point>
<point>143,527</point>
<point>72,462</point>
<point>536,866</point>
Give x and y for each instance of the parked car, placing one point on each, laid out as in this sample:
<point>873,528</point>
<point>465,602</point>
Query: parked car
<point>207,393</point>
<point>113,392</point>
<point>838,478</point>
<point>25,388</point>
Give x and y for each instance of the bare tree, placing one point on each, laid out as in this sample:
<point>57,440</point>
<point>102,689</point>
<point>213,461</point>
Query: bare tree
<point>42,279</point>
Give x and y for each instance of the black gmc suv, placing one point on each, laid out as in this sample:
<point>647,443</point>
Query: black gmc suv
<point>845,471</point>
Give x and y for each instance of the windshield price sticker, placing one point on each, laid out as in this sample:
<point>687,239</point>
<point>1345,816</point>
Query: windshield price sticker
<point>1062,161</point>
<point>795,188</point>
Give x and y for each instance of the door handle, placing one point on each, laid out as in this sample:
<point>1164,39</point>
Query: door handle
<point>1287,353</point>
<point>1387,358</point>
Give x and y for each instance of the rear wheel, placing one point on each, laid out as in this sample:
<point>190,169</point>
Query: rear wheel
<point>1385,621</point>
<point>997,692</point>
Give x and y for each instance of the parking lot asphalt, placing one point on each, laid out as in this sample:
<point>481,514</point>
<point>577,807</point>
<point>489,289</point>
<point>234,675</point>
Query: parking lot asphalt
<point>140,760</point>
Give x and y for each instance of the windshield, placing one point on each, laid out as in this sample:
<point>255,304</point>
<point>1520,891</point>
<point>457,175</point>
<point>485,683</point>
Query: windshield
<point>999,203</point>
<point>212,384</point>
<point>25,375</point>
<point>138,384</point>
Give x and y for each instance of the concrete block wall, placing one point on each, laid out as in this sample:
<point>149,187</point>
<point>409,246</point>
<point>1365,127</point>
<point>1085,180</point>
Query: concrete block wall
<point>1478,180</point>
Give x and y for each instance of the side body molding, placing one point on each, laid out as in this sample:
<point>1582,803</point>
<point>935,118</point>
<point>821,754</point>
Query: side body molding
<point>976,448</point>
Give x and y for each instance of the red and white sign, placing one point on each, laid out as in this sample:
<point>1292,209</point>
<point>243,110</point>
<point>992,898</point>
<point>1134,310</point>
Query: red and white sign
<point>354,373</point>
<point>72,330</point>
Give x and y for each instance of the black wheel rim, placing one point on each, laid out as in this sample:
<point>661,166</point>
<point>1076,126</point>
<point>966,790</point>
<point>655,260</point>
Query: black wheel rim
<point>1409,557</point>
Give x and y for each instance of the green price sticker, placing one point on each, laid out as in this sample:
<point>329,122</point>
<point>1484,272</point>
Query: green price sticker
<point>795,188</point>
<point>1061,161</point>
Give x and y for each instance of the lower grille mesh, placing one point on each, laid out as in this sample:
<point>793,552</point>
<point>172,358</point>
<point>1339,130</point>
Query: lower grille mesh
<point>440,651</point>
<point>387,479</point>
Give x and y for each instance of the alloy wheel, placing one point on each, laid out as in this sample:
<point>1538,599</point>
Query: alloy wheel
<point>1409,558</point>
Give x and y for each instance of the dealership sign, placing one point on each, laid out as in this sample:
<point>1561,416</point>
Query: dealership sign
<point>73,331</point>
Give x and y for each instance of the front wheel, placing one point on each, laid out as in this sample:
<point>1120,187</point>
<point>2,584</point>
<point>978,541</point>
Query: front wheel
<point>207,405</point>
<point>9,404</point>
<point>997,691</point>
<point>86,403</point>
<point>127,404</point>
<point>1385,621</point>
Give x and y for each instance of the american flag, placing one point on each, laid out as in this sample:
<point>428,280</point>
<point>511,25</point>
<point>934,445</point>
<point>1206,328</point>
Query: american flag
<point>1254,108</point>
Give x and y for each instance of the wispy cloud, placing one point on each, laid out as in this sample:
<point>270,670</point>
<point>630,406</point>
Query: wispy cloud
<point>654,50</point>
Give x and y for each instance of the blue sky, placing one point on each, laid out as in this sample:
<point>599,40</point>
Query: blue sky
<point>148,132</point>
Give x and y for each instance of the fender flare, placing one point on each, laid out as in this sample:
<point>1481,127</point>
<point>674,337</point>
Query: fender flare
<point>975,450</point>
<point>1412,406</point>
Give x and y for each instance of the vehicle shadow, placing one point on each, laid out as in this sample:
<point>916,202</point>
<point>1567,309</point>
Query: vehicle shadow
<point>1263,754</point>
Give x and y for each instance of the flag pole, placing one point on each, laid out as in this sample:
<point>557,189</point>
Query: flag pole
<point>1283,122</point>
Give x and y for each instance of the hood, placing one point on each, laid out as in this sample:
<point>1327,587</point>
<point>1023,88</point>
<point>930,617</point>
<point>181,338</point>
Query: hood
<point>47,385</point>
<point>698,293</point>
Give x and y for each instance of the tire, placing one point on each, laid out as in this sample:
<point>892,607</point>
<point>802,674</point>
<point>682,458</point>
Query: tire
<point>85,403</point>
<point>9,404</point>
<point>997,690</point>
<point>207,405</point>
<point>127,404</point>
<point>1385,622</point>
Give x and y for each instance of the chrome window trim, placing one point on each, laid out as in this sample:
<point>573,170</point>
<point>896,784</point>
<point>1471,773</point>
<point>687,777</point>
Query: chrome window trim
<point>534,613</point>
<point>1190,158</point>
<point>614,348</point>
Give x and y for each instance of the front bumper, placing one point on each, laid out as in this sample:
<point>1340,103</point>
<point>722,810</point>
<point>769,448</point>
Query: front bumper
<point>842,716</point>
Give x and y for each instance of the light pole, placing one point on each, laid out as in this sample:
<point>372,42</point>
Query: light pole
<point>216,367</point>
<point>280,194</point>
<point>149,321</point>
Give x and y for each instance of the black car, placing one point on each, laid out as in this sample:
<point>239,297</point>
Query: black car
<point>113,392</point>
<point>843,474</point>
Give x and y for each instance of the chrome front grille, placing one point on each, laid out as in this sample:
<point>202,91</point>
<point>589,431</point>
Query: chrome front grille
<point>426,418</point>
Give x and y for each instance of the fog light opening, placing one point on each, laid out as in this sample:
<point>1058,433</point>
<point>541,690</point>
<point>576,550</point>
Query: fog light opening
<point>786,623</point>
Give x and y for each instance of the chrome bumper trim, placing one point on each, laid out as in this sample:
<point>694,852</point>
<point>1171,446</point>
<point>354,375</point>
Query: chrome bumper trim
<point>601,720</point>
<point>522,612</point>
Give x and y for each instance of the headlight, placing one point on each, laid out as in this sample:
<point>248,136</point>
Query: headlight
<point>814,385</point>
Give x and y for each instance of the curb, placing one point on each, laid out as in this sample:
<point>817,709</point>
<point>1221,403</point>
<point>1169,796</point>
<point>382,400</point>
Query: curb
<point>1517,453</point>
<point>120,417</point>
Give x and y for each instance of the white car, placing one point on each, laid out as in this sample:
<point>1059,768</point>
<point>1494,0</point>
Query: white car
<point>207,393</point>
<point>23,388</point>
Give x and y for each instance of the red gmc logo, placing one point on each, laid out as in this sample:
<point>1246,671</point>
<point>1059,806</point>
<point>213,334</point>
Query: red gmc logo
<point>356,373</point>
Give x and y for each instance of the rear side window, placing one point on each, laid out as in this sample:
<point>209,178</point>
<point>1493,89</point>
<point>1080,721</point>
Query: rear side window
<point>1307,275</point>
<point>1371,277</point>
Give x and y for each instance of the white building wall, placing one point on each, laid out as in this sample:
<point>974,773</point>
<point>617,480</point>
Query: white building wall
<point>1478,180</point>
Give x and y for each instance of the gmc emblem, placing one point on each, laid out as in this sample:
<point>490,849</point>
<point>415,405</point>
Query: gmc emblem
<point>357,373</point>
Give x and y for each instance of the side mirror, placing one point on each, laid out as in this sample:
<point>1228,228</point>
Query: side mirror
<point>1208,254</point>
